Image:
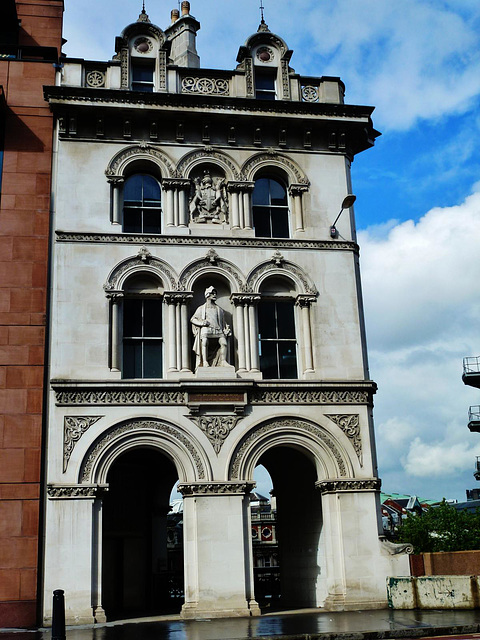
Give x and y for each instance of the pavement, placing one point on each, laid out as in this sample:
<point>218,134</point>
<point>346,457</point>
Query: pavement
<point>309,624</point>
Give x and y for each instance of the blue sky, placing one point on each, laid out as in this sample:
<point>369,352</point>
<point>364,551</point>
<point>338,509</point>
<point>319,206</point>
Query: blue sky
<point>418,195</point>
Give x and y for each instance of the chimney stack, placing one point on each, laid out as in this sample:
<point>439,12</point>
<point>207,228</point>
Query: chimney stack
<point>185,8</point>
<point>175,15</point>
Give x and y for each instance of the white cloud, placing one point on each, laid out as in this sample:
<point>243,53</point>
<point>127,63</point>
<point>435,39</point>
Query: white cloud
<point>438,459</point>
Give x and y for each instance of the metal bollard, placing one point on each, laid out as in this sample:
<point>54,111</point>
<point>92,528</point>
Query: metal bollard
<point>58,615</point>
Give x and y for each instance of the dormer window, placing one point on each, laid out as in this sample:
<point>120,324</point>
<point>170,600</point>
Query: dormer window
<point>265,84</point>
<point>142,75</point>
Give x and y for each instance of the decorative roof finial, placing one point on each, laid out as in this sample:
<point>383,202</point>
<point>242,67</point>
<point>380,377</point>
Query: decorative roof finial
<point>143,15</point>
<point>263,25</point>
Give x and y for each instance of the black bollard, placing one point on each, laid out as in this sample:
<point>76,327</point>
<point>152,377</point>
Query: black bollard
<point>58,615</point>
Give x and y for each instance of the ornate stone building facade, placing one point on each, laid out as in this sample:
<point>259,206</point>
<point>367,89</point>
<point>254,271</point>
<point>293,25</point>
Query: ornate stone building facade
<point>204,321</point>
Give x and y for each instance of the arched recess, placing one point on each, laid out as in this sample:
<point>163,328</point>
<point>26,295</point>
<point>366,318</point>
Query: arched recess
<point>278,266</point>
<point>191,160</point>
<point>330,458</point>
<point>266,161</point>
<point>137,156</point>
<point>214,264</point>
<point>185,452</point>
<point>144,262</point>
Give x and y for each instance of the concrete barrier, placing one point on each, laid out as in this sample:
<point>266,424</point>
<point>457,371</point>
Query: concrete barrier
<point>433,592</point>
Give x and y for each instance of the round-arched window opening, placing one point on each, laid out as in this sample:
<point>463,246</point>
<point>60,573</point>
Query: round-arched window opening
<point>270,208</point>
<point>141,204</point>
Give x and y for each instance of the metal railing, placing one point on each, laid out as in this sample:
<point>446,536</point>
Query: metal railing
<point>471,364</point>
<point>474,414</point>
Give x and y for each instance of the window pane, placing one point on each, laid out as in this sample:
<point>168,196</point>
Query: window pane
<point>265,80</point>
<point>142,73</point>
<point>132,359</point>
<point>132,220</point>
<point>151,189</point>
<point>151,221</point>
<point>152,359</point>
<point>278,195</point>
<point>132,191</point>
<point>280,222</point>
<point>287,353</point>
<point>268,359</point>
<point>152,318</point>
<point>266,95</point>
<point>260,191</point>
<point>132,318</point>
<point>266,320</point>
<point>285,320</point>
<point>261,222</point>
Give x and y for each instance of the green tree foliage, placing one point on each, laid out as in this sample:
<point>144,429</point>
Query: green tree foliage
<point>441,528</point>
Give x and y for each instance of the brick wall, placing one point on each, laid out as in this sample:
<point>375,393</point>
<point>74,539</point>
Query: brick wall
<point>24,227</point>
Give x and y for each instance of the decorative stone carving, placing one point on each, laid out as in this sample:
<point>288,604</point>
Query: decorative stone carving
<point>310,93</point>
<point>210,332</point>
<point>141,151</point>
<point>307,428</point>
<point>393,548</point>
<point>250,166</point>
<point>277,259</point>
<point>350,425</point>
<point>113,398</point>
<point>221,265</point>
<point>334,486</point>
<point>156,265</point>
<point>216,428</point>
<point>162,70</point>
<point>56,491</point>
<point>288,267</point>
<point>144,254</point>
<point>215,488</point>
<point>73,429</point>
<point>95,79</point>
<point>249,77</point>
<point>206,86</point>
<point>134,427</point>
<point>188,162</point>
<point>286,243</point>
<point>265,54</point>
<point>310,397</point>
<point>285,79</point>
<point>143,45</point>
<point>209,200</point>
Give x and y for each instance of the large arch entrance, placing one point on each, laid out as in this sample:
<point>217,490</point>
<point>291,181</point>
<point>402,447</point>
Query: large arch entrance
<point>140,573</point>
<point>297,513</point>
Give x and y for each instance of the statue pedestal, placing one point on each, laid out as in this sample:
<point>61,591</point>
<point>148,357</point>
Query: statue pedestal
<point>215,373</point>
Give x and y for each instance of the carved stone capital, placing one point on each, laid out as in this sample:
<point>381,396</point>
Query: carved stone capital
<point>177,297</point>
<point>305,300</point>
<point>116,180</point>
<point>240,299</point>
<point>216,428</point>
<point>75,491</point>
<point>176,183</point>
<point>298,189</point>
<point>233,186</point>
<point>353,485</point>
<point>215,488</point>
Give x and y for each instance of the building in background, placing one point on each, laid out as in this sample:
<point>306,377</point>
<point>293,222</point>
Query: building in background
<point>30,42</point>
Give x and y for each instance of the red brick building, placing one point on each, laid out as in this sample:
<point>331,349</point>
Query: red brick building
<point>30,42</point>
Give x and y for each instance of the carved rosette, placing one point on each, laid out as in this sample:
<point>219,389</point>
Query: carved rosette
<point>95,79</point>
<point>215,488</point>
<point>75,491</point>
<point>216,428</point>
<point>350,425</point>
<point>73,429</point>
<point>205,86</point>
<point>310,93</point>
<point>335,486</point>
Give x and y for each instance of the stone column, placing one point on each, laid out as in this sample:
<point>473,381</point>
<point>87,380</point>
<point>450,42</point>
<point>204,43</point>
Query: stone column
<point>238,301</point>
<point>253,332</point>
<point>178,330</point>
<point>176,207</point>
<point>247,205</point>
<point>115,298</point>
<point>171,333</point>
<point>355,569</point>
<point>241,208</point>
<point>233,190</point>
<point>304,302</point>
<point>71,552</point>
<point>116,189</point>
<point>218,580</point>
<point>296,192</point>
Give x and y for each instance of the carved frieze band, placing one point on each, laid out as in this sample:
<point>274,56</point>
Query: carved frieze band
<point>135,427</point>
<point>310,397</point>
<point>215,488</point>
<point>216,428</point>
<point>334,486</point>
<point>286,423</point>
<point>350,425</point>
<point>102,238</point>
<point>73,429</point>
<point>120,397</point>
<point>57,491</point>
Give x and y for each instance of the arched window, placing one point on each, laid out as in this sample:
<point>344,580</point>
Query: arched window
<point>277,340</point>
<point>142,336</point>
<point>141,204</point>
<point>270,209</point>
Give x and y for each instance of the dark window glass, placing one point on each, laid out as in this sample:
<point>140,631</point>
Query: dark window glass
<point>277,343</point>
<point>141,204</point>
<point>142,338</point>
<point>142,76</point>
<point>270,209</point>
<point>265,84</point>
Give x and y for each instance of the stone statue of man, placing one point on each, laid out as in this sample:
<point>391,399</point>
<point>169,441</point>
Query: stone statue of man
<point>208,325</point>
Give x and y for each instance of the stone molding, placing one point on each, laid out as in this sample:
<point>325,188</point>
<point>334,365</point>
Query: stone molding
<point>393,548</point>
<point>350,425</point>
<point>309,430</point>
<point>73,429</point>
<point>143,261</point>
<point>215,488</point>
<point>135,427</point>
<point>232,273</point>
<point>351,485</point>
<point>216,428</point>
<point>270,158</point>
<point>144,151</point>
<point>75,491</point>
<point>119,393</point>
<point>278,266</point>
<point>212,156</point>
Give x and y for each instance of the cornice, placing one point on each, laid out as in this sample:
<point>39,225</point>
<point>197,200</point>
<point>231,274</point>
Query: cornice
<point>283,243</point>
